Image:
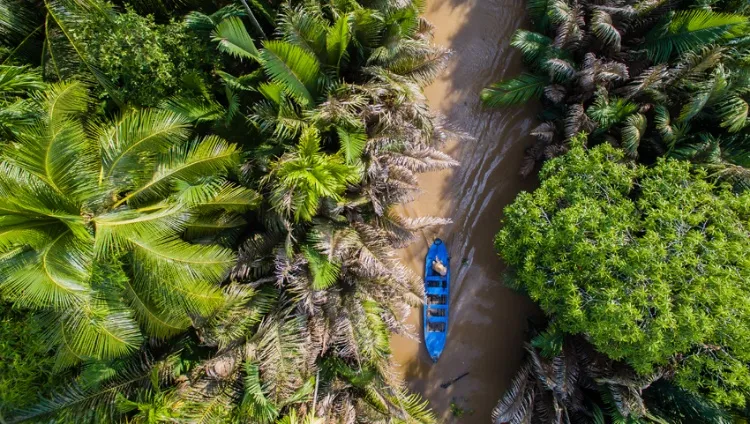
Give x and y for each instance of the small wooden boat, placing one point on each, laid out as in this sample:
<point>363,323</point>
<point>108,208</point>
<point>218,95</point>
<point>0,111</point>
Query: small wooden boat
<point>437,291</point>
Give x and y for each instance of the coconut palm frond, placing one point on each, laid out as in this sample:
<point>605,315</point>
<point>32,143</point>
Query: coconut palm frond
<point>693,65</point>
<point>233,39</point>
<point>337,40</point>
<point>569,20</point>
<point>293,68</point>
<point>545,131</point>
<point>281,355</point>
<point>604,29</point>
<point>733,111</point>
<point>648,81</point>
<point>254,403</point>
<point>517,404</point>
<point>83,401</point>
<point>514,91</point>
<point>689,30</point>
<point>632,133</point>
<point>560,70</point>
<point>210,156</point>
<point>555,93</point>
<point>574,120</point>
<point>531,44</point>
<point>306,28</point>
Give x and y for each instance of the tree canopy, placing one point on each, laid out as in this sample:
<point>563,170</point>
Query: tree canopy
<point>650,263</point>
<point>226,254</point>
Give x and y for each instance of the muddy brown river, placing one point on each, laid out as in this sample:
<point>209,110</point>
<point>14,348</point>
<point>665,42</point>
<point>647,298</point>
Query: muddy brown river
<point>488,321</point>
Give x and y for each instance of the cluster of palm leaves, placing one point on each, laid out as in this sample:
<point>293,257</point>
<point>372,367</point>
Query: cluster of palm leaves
<point>654,77</point>
<point>564,380</point>
<point>187,278</point>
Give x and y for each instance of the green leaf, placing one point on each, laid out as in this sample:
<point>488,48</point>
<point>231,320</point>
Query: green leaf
<point>231,198</point>
<point>337,39</point>
<point>293,68</point>
<point>57,276</point>
<point>515,91</point>
<point>131,140</point>
<point>352,144</point>
<point>688,30</point>
<point>532,45</point>
<point>254,404</point>
<point>114,229</point>
<point>234,39</point>
<point>179,275</point>
<point>733,111</point>
<point>325,273</point>
<point>207,157</point>
<point>632,133</point>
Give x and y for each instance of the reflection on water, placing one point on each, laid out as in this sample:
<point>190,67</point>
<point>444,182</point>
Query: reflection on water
<point>488,321</point>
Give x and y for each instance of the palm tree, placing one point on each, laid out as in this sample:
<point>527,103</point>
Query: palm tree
<point>305,176</point>
<point>301,326</point>
<point>17,85</point>
<point>596,71</point>
<point>94,223</point>
<point>567,381</point>
<point>319,288</point>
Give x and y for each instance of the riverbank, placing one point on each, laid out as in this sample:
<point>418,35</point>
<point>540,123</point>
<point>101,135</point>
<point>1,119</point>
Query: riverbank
<point>488,321</point>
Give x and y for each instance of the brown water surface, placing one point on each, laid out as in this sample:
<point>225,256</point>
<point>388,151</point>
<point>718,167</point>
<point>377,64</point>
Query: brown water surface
<point>488,321</point>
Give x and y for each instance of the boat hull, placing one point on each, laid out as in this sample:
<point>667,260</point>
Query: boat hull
<point>436,300</point>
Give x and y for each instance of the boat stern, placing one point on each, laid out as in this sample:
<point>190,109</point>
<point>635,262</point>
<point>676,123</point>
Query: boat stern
<point>435,343</point>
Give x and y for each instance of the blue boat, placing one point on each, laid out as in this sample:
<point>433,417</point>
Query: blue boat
<point>437,291</point>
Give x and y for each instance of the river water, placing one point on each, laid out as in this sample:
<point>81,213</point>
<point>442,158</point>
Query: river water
<point>488,321</point>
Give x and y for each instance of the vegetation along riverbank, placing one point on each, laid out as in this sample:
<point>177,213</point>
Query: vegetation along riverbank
<point>636,243</point>
<point>202,204</point>
<point>197,219</point>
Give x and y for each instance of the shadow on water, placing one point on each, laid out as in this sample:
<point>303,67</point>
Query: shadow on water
<point>488,321</point>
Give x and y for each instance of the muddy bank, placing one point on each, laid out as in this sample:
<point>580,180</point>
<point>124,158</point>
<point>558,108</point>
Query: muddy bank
<point>487,320</point>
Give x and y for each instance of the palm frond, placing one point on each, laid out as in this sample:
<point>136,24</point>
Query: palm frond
<point>325,273</point>
<point>352,144</point>
<point>82,402</point>
<point>531,44</point>
<point>733,111</point>
<point>17,80</point>
<point>293,68</point>
<point>56,276</point>
<point>517,404</point>
<point>254,404</point>
<point>234,39</point>
<point>514,91</point>
<point>560,70</point>
<point>647,82</point>
<point>148,132</point>
<point>337,40</point>
<point>689,30</point>
<point>604,29</point>
<point>632,133</point>
<point>180,275</point>
<point>210,156</point>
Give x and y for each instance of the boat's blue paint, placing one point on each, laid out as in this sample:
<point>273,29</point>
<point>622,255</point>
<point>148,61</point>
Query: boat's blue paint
<point>436,285</point>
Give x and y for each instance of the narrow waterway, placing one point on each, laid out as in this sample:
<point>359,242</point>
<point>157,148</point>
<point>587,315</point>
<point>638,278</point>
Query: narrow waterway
<point>488,321</point>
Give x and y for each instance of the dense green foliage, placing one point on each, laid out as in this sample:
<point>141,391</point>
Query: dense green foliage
<point>146,61</point>
<point>565,380</point>
<point>225,255</point>
<point>96,268</point>
<point>649,262</point>
<point>26,368</point>
<point>655,77</point>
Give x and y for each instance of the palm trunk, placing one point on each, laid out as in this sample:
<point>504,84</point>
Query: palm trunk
<point>254,21</point>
